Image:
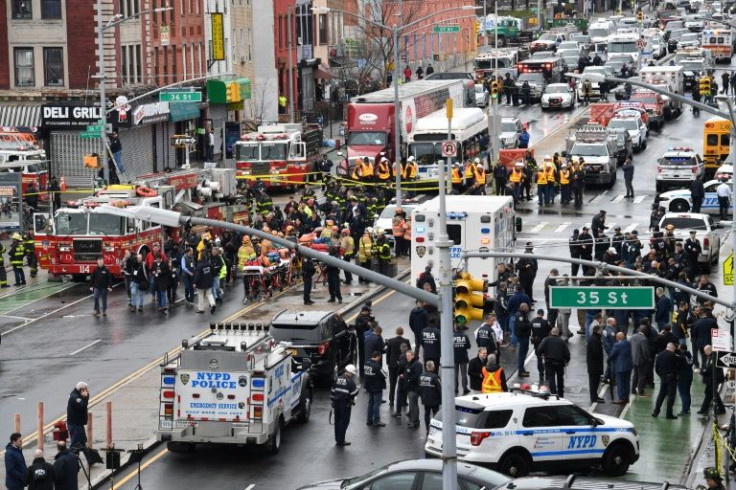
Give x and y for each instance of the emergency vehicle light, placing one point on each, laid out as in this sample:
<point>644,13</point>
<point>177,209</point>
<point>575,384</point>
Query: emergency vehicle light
<point>195,395</point>
<point>231,397</point>
<point>258,383</point>
<point>257,412</point>
<point>420,239</point>
<point>485,230</point>
<point>485,241</point>
<point>168,380</point>
<point>257,397</point>
<point>168,409</point>
<point>168,394</point>
<point>419,229</point>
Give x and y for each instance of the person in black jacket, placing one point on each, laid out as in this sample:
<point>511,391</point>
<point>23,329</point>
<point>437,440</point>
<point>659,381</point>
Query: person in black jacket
<point>431,344</point>
<point>76,419</point>
<point>697,194</point>
<point>203,281</point>
<point>308,270</point>
<point>410,377</point>
<point>100,285</point>
<point>66,468</point>
<point>430,390</point>
<point>160,271</point>
<point>138,283</point>
<point>15,464</point>
<point>667,365</point>
<point>711,369</point>
<point>40,475</point>
<point>394,353</point>
<point>374,383</point>
<point>475,369</point>
<point>363,323</point>
<point>418,321</point>
<point>556,356</point>
<point>523,330</point>
<point>375,343</point>
<point>333,278</point>
<point>343,393</point>
<point>540,331</point>
<point>527,269</point>
<point>594,361</point>
<point>461,344</point>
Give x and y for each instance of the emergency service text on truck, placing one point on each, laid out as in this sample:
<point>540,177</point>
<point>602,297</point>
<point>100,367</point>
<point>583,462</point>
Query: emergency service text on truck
<point>370,117</point>
<point>474,223</point>
<point>234,385</point>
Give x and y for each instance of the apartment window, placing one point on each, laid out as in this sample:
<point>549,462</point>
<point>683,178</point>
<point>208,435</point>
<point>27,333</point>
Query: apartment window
<point>22,9</point>
<point>156,65</point>
<point>51,9</point>
<point>24,67</point>
<point>165,65</point>
<point>136,7</point>
<point>53,67</point>
<point>322,28</point>
<point>181,10</point>
<point>174,73</point>
<point>124,64</point>
<point>138,75</point>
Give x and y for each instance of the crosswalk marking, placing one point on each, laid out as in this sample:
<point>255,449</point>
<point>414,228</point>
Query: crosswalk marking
<point>639,199</point>
<point>599,197</point>
<point>562,227</point>
<point>539,227</point>
<point>618,198</point>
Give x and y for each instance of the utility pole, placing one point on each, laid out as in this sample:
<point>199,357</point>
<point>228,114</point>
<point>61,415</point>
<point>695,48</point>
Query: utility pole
<point>103,95</point>
<point>397,115</point>
<point>732,161</point>
<point>291,67</point>
<point>447,367</point>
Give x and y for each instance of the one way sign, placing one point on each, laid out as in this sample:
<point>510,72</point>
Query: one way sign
<point>727,359</point>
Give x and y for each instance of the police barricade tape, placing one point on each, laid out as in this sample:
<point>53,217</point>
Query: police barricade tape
<point>717,444</point>
<point>297,174</point>
<point>416,185</point>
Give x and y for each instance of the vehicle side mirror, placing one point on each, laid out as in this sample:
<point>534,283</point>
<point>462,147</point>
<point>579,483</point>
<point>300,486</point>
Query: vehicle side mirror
<point>594,422</point>
<point>306,364</point>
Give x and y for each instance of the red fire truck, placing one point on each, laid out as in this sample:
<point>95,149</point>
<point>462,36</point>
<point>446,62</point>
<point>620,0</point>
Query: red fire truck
<point>21,153</point>
<point>284,155</point>
<point>78,234</point>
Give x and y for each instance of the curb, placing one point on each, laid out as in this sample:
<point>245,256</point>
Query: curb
<point>150,444</point>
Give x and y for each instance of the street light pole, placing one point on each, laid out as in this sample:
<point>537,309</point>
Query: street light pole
<point>291,68</point>
<point>103,95</point>
<point>397,115</point>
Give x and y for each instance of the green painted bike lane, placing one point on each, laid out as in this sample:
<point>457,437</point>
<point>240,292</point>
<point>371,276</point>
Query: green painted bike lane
<point>13,298</point>
<point>666,446</point>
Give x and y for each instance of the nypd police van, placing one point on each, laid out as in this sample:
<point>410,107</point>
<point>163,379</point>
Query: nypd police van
<point>234,385</point>
<point>517,433</point>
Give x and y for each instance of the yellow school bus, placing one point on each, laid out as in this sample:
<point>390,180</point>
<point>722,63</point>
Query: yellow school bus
<point>716,141</point>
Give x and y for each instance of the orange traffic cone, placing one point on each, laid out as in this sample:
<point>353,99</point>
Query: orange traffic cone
<point>62,185</point>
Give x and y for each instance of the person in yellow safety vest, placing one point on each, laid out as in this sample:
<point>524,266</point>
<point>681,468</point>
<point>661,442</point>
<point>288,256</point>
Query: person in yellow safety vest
<point>550,170</point>
<point>347,248</point>
<point>397,227</point>
<point>542,187</point>
<point>479,175</point>
<point>468,173</point>
<point>515,178</point>
<point>17,253</point>
<point>363,170</point>
<point>202,245</point>
<point>409,172</point>
<point>365,251</point>
<point>383,172</point>
<point>407,236</point>
<point>246,253</point>
<point>494,378</point>
<point>456,177</point>
<point>565,184</point>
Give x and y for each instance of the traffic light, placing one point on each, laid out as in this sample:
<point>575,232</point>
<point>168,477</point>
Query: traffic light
<point>640,16</point>
<point>495,88</point>
<point>704,86</point>
<point>468,298</point>
<point>232,92</point>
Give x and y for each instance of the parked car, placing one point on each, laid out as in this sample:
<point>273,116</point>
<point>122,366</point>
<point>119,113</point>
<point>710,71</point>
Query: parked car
<point>558,96</point>
<point>482,97</point>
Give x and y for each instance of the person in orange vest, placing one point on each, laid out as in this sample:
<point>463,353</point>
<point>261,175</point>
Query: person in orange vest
<point>397,226</point>
<point>550,170</point>
<point>467,175</point>
<point>410,169</point>
<point>494,377</point>
<point>456,177</point>
<point>515,178</point>
<point>363,170</point>
<point>565,184</point>
<point>542,187</point>
<point>383,171</point>
<point>407,236</point>
<point>479,177</point>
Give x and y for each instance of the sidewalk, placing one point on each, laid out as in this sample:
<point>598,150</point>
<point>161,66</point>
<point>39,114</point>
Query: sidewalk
<point>135,405</point>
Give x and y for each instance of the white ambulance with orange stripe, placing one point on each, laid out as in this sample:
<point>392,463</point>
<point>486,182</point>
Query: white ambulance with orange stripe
<point>234,385</point>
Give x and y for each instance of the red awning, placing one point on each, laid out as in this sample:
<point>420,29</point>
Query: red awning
<point>322,74</point>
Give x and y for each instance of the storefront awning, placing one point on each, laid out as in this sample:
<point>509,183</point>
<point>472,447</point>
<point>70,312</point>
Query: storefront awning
<point>20,115</point>
<point>183,111</point>
<point>227,92</point>
<point>321,73</point>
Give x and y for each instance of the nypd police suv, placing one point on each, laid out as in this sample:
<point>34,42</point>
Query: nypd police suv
<point>517,433</point>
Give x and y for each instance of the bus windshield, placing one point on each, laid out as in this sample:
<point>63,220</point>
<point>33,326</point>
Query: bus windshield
<point>106,225</point>
<point>366,138</point>
<point>425,153</point>
<point>246,152</point>
<point>71,223</point>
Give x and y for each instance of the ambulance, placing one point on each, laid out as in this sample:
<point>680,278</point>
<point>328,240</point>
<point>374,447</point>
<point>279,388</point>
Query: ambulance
<point>233,385</point>
<point>474,223</point>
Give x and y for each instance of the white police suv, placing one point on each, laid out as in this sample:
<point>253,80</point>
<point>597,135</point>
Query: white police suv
<point>517,433</point>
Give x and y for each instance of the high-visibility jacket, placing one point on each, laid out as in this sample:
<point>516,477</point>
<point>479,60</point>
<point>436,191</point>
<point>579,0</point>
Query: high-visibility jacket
<point>362,169</point>
<point>17,253</point>
<point>246,253</point>
<point>398,226</point>
<point>468,171</point>
<point>393,169</point>
<point>457,177</point>
<point>410,170</point>
<point>2,254</point>
<point>516,175</point>
<point>491,381</point>
<point>384,171</point>
<point>407,231</point>
<point>384,251</point>
<point>480,175</point>
<point>565,177</point>
<point>365,248</point>
<point>550,171</point>
<point>541,178</point>
<point>347,245</point>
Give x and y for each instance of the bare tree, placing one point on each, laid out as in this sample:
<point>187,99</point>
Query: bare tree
<point>256,109</point>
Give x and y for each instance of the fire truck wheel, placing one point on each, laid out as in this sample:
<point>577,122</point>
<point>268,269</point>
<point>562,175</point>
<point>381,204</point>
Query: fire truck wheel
<point>79,277</point>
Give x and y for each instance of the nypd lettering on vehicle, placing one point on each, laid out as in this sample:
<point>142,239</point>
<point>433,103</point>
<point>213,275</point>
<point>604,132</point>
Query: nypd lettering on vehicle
<point>206,379</point>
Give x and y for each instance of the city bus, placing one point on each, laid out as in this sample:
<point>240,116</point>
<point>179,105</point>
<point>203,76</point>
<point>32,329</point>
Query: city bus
<point>716,143</point>
<point>469,126</point>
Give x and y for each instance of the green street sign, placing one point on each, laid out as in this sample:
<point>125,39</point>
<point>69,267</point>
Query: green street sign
<point>609,298</point>
<point>180,96</point>
<point>445,29</point>
<point>86,136</point>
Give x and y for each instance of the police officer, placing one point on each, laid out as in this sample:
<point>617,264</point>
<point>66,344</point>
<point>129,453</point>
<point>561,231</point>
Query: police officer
<point>333,279</point>
<point>344,391</point>
<point>410,380</point>
<point>540,330</point>
<point>17,253</point>
<point>29,245</point>
<point>556,356</point>
<point>3,275</point>
<point>374,383</point>
<point>460,346</point>
<point>430,391</point>
<point>308,270</point>
<point>431,344</point>
<point>667,365</point>
<point>484,336</point>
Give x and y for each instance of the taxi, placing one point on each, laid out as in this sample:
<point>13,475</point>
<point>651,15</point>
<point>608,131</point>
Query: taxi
<point>680,201</point>
<point>518,432</point>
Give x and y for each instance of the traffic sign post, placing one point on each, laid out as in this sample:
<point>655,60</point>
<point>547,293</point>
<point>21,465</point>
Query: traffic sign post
<point>446,29</point>
<point>449,149</point>
<point>92,131</point>
<point>641,44</point>
<point>720,339</point>
<point>728,270</point>
<point>180,96</point>
<point>609,298</point>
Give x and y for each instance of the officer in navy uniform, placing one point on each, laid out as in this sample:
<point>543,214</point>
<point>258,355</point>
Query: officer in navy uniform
<point>374,383</point>
<point>308,270</point>
<point>344,391</point>
<point>430,391</point>
<point>540,330</point>
<point>431,344</point>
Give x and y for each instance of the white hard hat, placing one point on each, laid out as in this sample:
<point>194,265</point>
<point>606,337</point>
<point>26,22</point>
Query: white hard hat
<point>411,158</point>
<point>477,160</point>
<point>350,368</point>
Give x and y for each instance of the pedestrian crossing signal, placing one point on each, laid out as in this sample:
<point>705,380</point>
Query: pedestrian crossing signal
<point>495,87</point>
<point>468,298</point>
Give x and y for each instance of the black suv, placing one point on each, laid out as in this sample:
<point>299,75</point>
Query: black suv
<point>323,337</point>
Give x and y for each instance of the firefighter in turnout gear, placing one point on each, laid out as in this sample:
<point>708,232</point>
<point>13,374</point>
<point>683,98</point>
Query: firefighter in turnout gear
<point>3,275</point>
<point>29,244</point>
<point>384,255</point>
<point>17,254</point>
